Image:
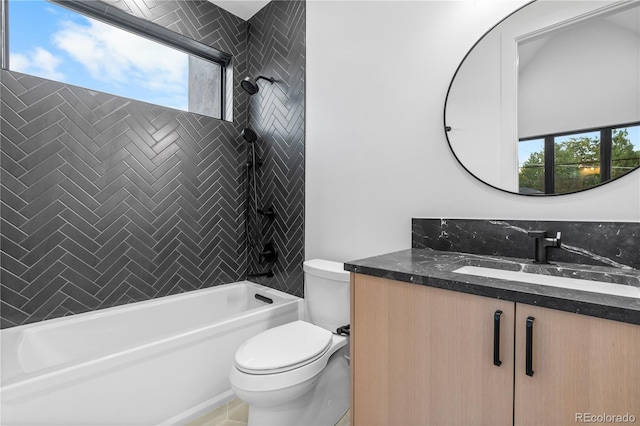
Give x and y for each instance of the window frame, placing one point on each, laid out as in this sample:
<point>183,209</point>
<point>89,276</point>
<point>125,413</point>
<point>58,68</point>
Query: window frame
<point>606,147</point>
<point>118,18</point>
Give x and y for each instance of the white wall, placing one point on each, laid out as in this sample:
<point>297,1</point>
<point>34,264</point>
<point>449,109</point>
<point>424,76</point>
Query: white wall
<point>568,85</point>
<point>474,108</point>
<point>376,153</point>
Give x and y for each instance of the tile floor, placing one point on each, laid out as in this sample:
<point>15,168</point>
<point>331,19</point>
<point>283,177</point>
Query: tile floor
<point>345,420</point>
<point>235,413</point>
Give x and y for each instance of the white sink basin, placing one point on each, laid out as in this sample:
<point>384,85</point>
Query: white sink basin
<point>572,283</point>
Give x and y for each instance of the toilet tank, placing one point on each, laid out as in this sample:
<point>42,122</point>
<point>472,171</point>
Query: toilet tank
<point>326,293</point>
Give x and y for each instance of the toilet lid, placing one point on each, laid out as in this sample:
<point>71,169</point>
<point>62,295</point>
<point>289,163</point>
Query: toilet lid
<point>283,348</point>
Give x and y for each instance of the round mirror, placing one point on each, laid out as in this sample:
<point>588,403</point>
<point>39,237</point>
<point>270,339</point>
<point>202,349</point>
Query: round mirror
<point>547,102</point>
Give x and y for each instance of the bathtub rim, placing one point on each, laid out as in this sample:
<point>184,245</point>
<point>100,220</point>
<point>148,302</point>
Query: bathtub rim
<point>112,310</point>
<point>17,387</point>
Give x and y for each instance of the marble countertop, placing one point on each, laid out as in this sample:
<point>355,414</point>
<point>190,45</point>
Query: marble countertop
<point>434,268</point>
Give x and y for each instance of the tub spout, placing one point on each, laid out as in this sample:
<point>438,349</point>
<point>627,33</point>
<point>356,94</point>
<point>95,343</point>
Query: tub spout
<point>268,274</point>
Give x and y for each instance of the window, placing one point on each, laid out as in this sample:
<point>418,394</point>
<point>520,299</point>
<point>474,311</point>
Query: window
<point>531,166</point>
<point>576,162</point>
<point>116,53</point>
<point>625,150</point>
<point>570,162</point>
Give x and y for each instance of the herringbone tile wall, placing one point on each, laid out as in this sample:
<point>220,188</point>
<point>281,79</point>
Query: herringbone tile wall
<point>277,49</point>
<point>107,201</point>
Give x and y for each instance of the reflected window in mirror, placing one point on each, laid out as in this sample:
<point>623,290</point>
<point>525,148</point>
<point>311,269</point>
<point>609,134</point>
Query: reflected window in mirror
<point>531,166</point>
<point>570,162</point>
<point>625,155</point>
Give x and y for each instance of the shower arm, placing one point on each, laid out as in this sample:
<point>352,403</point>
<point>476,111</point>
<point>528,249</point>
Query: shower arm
<point>269,79</point>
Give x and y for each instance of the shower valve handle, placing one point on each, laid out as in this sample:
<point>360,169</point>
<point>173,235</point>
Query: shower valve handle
<point>269,213</point>
<point>269,254</point>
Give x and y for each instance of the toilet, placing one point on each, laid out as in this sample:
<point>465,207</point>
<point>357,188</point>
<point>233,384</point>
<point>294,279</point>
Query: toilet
<point>298,373</point>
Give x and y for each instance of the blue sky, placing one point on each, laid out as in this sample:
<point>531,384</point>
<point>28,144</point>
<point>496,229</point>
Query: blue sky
<point>52,42</point>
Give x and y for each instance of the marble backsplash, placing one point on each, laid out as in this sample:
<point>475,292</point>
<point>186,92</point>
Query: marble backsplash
<point>592,243</point>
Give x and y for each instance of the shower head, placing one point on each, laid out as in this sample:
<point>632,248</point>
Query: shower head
<point>249,135</point>
<point>251,87</point>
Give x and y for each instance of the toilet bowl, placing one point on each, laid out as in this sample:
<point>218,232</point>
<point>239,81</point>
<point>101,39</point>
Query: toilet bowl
<point>298,373</point>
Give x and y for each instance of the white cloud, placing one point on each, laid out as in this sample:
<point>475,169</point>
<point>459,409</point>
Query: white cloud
<point>38,62</point>
<point>19,62</point>
<point>116,56</point>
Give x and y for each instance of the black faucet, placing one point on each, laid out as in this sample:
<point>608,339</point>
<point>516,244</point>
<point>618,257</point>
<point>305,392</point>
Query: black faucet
<point>542,242</point>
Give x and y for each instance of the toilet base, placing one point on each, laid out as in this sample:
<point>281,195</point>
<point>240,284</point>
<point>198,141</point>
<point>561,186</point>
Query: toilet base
<point>323,405</point>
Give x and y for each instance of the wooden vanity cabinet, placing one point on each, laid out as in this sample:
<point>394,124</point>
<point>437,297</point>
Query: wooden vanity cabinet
<point>581,365</point>
<point>425,356</point>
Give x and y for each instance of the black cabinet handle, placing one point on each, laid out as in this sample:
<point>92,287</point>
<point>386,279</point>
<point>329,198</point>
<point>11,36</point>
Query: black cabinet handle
<point>529,349</point>
<point>496,338</point>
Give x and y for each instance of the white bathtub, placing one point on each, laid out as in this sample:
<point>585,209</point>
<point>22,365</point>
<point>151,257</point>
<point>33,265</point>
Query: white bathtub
<point>162,361</point>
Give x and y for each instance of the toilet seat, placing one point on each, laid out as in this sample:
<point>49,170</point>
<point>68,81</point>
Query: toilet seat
<point>283,348</point>
<point>243,382</point>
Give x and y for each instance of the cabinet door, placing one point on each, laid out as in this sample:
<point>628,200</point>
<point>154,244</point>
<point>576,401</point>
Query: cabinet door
<point>581,366</point>
<point>422,356</point>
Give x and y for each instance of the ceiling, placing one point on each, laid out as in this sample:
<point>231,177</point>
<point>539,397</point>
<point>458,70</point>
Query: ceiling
<point>244,9</point>
<point>626,18</point>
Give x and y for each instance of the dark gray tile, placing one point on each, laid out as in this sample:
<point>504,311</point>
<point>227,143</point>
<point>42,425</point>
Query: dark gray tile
<point>80,120</point>
<point>43,248</point>
<point>48,165</point>
<point>13,266</point>
<point>112,278</point>
<point>42,273</point>
<point>112,217</point>
<point>46,292</point>
<point>11,316</point>
<point>37,89</point>
<point>44,309</point>
<point>42,139</point>
<point>111,124</point>
<point>77,135</point>
<point>10,137</point>
<point>112,174</point>
<point>44,216</point>
<point>11,167</point>
<point>12,232</point>
<point>80,252</point>
<point>80,267</point>
<point>42,106</point>
<point>41,123</point>
<point>43,185</point>
<point>9,198</point>
<point>115,186</point>
<point>12,249</point>
<point>78,222</point>
<point>80,281</point>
